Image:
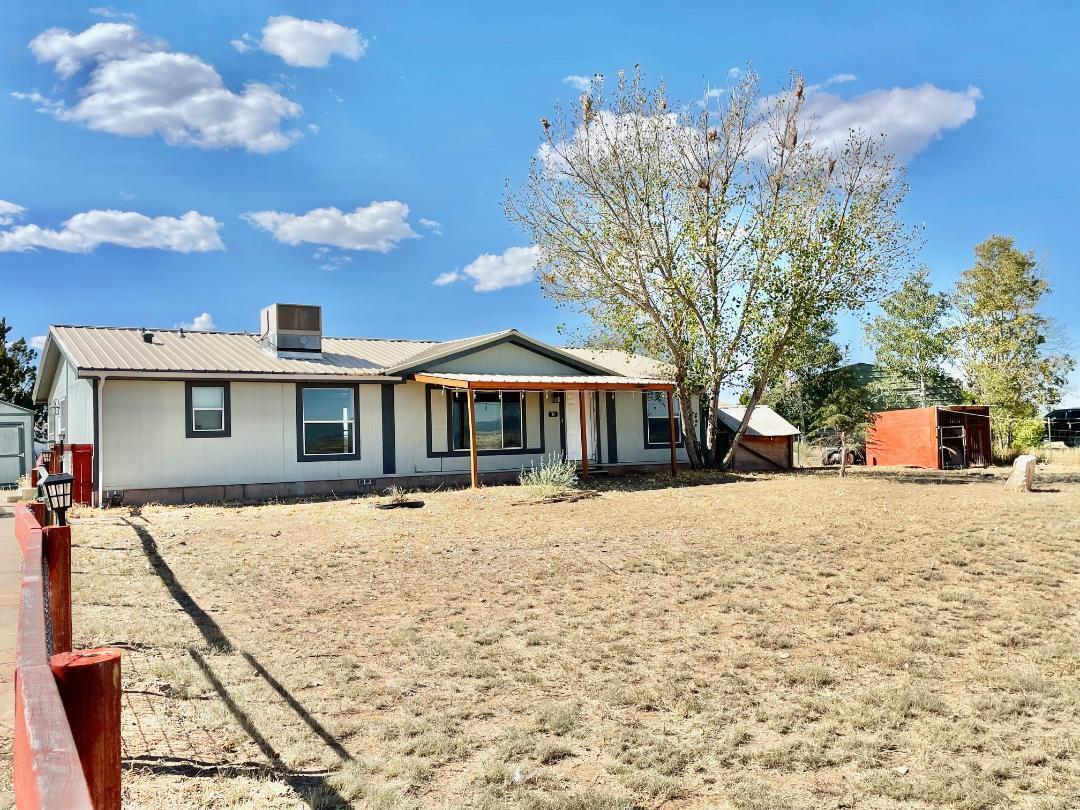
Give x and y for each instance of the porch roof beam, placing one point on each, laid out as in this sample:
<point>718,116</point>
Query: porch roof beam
<point>449,381</point>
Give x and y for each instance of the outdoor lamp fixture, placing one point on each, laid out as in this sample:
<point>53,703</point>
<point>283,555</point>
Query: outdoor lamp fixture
<point>57,489</point>
<point>46,457</point>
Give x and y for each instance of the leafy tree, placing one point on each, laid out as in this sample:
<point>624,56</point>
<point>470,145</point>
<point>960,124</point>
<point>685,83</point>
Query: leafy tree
<point>18,369</point>
<point>911,340</point>
<point>1007,355</point>
<point>800,389</point>
<point>1028,433</point>
<point>848,410</point>
<point>712,237</point>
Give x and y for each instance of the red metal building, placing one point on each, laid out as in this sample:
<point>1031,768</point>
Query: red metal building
<point>938,438</point>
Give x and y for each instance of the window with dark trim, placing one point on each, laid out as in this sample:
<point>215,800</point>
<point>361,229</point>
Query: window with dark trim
<point>326,425</point>
<point>655,417</point>
<point>498,420</point>
<point>207,410</point>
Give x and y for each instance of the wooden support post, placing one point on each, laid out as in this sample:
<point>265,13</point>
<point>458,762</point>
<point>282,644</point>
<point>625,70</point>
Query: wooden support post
<point>474,466</point>
<point>89,686</point>
<point>584,436</point>
<point>37,508</point>
<point>671,434</point>
<point>56,548</point>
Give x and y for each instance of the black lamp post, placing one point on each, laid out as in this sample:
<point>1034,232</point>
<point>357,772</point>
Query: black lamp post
<point>57,489</point>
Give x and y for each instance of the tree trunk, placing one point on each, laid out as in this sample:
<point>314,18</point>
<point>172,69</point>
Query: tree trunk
<point>755,397</point>
<point>843,454</point>
<point>690,441</point>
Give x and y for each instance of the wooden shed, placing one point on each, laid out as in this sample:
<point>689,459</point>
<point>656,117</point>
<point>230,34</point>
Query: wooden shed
<point>16,443</point>
<point>937,438</point>
<point>769,440</point>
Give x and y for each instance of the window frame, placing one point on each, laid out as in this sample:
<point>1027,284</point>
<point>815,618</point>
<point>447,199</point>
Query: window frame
<point>676,407</point>
<point>189,410</point>
<point>500,398</point>
<point>300,422</point>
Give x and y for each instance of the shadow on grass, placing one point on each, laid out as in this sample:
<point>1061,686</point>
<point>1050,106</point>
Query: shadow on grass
<point>306,784</point>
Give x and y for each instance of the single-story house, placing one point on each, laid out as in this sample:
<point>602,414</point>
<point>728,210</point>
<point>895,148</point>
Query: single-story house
<point>937,438</point>
<point>768,443</point>
<point>16,443</point>
<point>178,416</point>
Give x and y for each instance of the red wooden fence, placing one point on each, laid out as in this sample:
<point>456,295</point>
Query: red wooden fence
<point>67,707</point>
<point>47,771</point>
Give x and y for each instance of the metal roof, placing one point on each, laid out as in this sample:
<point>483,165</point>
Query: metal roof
<point>632,365</point>
<point>764,421</point>
<point>122,351</point>
<point>93,348</point>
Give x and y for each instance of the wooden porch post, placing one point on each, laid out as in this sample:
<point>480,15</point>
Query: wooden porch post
<point>474,468</point>
<point>584,436</point>
<point>671,433</point>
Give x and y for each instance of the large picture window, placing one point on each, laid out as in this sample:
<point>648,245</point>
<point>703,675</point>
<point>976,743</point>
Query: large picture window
<point>498,420</point>
<point>207,410</point>
<point>657,428</point>
<point>326,423</point>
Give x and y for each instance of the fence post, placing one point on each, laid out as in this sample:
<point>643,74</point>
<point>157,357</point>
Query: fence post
<point>37,508</point>
<point>89,685</point>
<point>56,545</point>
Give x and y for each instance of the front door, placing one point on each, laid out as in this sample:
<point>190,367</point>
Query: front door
<point>573,425</point>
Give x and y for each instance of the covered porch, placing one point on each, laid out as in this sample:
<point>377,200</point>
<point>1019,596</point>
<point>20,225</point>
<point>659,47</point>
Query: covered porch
<point>577,387</point>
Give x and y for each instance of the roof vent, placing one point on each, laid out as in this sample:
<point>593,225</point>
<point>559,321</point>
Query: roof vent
<point>291,330</point>
<point>147,337</point>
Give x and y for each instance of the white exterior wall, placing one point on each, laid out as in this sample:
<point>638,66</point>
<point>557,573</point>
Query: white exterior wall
<point>76,399</point>
<point>630,427</point>
<point>145,446</point>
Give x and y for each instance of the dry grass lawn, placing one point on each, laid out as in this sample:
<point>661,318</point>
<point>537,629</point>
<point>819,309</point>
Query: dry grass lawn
<point>759,641</point>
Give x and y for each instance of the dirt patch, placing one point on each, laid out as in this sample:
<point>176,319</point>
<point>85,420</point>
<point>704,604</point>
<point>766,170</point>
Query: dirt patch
<point>890,639</point>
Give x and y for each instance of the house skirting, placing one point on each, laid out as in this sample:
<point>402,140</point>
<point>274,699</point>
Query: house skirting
<point>231,493</point>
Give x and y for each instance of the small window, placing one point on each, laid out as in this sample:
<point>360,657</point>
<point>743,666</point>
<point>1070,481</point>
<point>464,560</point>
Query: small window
<point>498,420</point>
<point>657,428</point>
<point>327,424</point>
<point>208,410</point>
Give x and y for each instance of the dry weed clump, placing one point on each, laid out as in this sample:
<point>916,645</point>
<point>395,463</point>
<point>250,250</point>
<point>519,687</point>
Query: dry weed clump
<point>756,641</point>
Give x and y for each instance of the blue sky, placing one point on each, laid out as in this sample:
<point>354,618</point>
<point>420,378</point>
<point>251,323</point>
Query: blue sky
<point>215,109</point>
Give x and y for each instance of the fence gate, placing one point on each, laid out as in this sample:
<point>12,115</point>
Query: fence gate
<point>951,447</point>
<point>12,453</point>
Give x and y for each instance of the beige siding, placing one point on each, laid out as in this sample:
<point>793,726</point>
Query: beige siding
<point>533,418</point>
<point>440,439</point>
<point>76,399</point>
<point>506,358</point>
<point>630,427</point>
<point>145,443</point>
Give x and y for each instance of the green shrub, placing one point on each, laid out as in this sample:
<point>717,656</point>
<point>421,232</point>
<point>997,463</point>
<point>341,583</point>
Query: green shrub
<point>555,472</point>
<point>1028,433</point>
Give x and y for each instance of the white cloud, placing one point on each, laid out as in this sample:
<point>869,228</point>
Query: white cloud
<point>203,322</point>
<point>378,226</point>
<point>488,272</point>
<point>110,13</point>
<point>191,233</point>
<point>581,83</point>
<point>139,89</point>
<point>310,43</point>
<point>102,42</point>
<point>734,73</point>
<point>245,43</point>
<point>909,117</point>
<point>840,78</point>
<point>432,225</point>
<point>37,342</point>
<point>9,212</point>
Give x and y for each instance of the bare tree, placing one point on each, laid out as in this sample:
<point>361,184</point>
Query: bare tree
<point>709,236</point>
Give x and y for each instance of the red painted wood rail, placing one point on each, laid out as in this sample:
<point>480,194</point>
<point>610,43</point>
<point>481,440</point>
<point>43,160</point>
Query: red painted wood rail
<point>47,771</point>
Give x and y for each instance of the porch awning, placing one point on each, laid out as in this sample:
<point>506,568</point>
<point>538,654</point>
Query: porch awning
<point>538,382</point>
